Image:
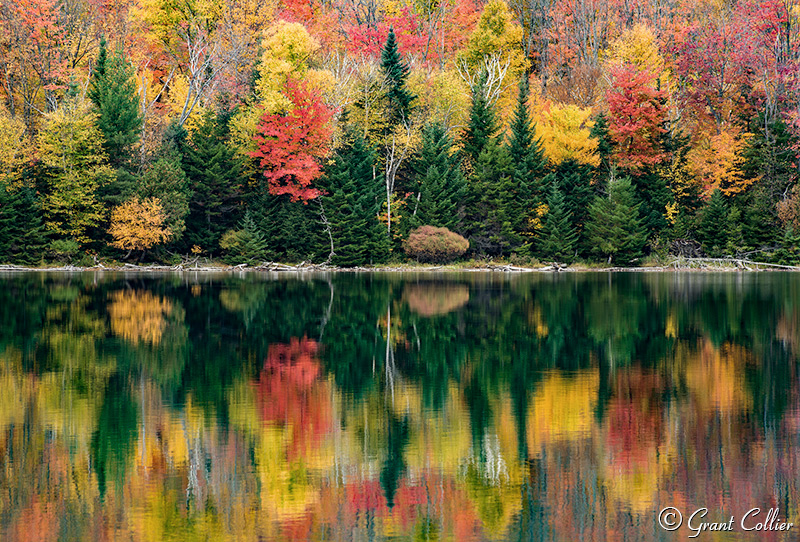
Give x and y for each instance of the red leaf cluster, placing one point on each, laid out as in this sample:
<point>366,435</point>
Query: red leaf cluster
<point>292,143</point>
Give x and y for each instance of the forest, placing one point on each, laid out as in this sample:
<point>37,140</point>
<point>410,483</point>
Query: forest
<point>361,132</point>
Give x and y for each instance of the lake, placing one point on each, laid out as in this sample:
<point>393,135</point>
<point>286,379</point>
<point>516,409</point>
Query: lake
<point>465,406</point>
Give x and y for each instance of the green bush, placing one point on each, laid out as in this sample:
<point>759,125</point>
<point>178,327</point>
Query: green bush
<point>429,244</point>
<point>63,250</point>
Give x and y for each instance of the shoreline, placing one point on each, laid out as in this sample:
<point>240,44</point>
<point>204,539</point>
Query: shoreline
<point>705,265</point>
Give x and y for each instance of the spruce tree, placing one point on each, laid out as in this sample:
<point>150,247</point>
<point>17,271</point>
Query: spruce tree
<point>245,245</point>
<point>558,234</point>
<point>615,229</point>
<point>575,184</point>
<point>482,124</point>
<point>396,73</point>
<point>213,173</point>
<point>22,233</point>
<point>712,230</point>
<point>530,175</point>
<point>439,179</point>
<point>351,205</point>
<point>487,222</point>
<point>113,94</point>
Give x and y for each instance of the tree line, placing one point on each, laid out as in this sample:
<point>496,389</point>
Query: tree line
<point>336,151</point>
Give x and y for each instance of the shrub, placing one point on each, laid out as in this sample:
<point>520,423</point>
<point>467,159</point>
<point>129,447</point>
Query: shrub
<point>435,245</point>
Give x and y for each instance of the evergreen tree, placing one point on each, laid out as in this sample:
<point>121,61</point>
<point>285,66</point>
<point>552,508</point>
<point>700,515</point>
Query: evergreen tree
<point>712,230</point>
<point>530,176</point>
<point>440,182</point>
<point>245,245</point>
<point>482,124</point>
<point>615,229</point>
<point>396,72</point>
<point>351,205</point>
<point>166,180</point>
<point>22,234</point>
<point>113,93</point>
<point>575,185</point>
<point>213,173</point>
<point>487,224</point>
<point>559,237</point>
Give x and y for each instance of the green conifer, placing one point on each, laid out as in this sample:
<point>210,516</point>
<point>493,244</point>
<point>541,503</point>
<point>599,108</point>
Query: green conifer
<point>439,179</point>
<point>213,173</point>
<point>558,234</point>
<point>482,124</point>
<point>530,175</point>
<point>114,96</point>
<point>615,229</point>
<point>396,72</point>
<point>351,206</point>
<point>712,230</point>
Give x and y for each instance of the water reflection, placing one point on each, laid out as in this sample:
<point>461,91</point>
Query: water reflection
<point>370,407</point>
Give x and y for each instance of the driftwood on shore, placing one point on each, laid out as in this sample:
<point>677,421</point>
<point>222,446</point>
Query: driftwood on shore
<point>676,264</point>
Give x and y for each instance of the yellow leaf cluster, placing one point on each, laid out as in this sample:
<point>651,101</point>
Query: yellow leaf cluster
<point>14,148</point>
<point>496,32</point>
<point>139,225</point>
<point>716,162</point>
<point>637,47</point>
<point>565,131</point>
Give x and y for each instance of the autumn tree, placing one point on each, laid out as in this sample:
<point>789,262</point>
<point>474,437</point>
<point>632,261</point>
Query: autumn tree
<point>291,144</point>
<point>74,169</point>
<point>636,119</point>
<point>138,225</point>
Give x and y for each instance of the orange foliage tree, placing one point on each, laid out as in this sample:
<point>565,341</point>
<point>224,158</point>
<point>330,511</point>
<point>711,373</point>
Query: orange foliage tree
<point>139,225</point>
<point>292,143</point>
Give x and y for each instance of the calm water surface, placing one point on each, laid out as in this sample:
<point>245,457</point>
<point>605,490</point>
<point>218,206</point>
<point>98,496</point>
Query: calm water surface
<point>406,407</point>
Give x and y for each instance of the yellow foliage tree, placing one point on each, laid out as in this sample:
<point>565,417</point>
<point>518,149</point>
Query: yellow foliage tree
<point>496,33</point>
<point>716,162</point>
<point>139,225</point>
<point>13,148</point>
<point>565,131</point>
<point>637,46</point>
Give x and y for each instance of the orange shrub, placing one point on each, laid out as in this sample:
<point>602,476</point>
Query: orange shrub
<point>435,245</point>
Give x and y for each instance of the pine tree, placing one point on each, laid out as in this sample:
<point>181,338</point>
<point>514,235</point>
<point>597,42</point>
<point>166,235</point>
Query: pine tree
<point>558,234</point>
<point>530,175</point>
<point>245,245</point>
<point>213,173</point>
<point>482,125</point>
<point>22,234</point>
<point>615,229</point>
<point>441,184</point>
<point>113,93</point>
<point>396,72</point>
<point>487,224</point>
<point>574,183</point>
<point>351,205</point>
<point>712,230</point>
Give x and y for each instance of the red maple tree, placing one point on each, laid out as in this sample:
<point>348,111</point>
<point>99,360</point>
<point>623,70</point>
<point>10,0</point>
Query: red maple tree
<point>291,143</point>
<point>636,118</point>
